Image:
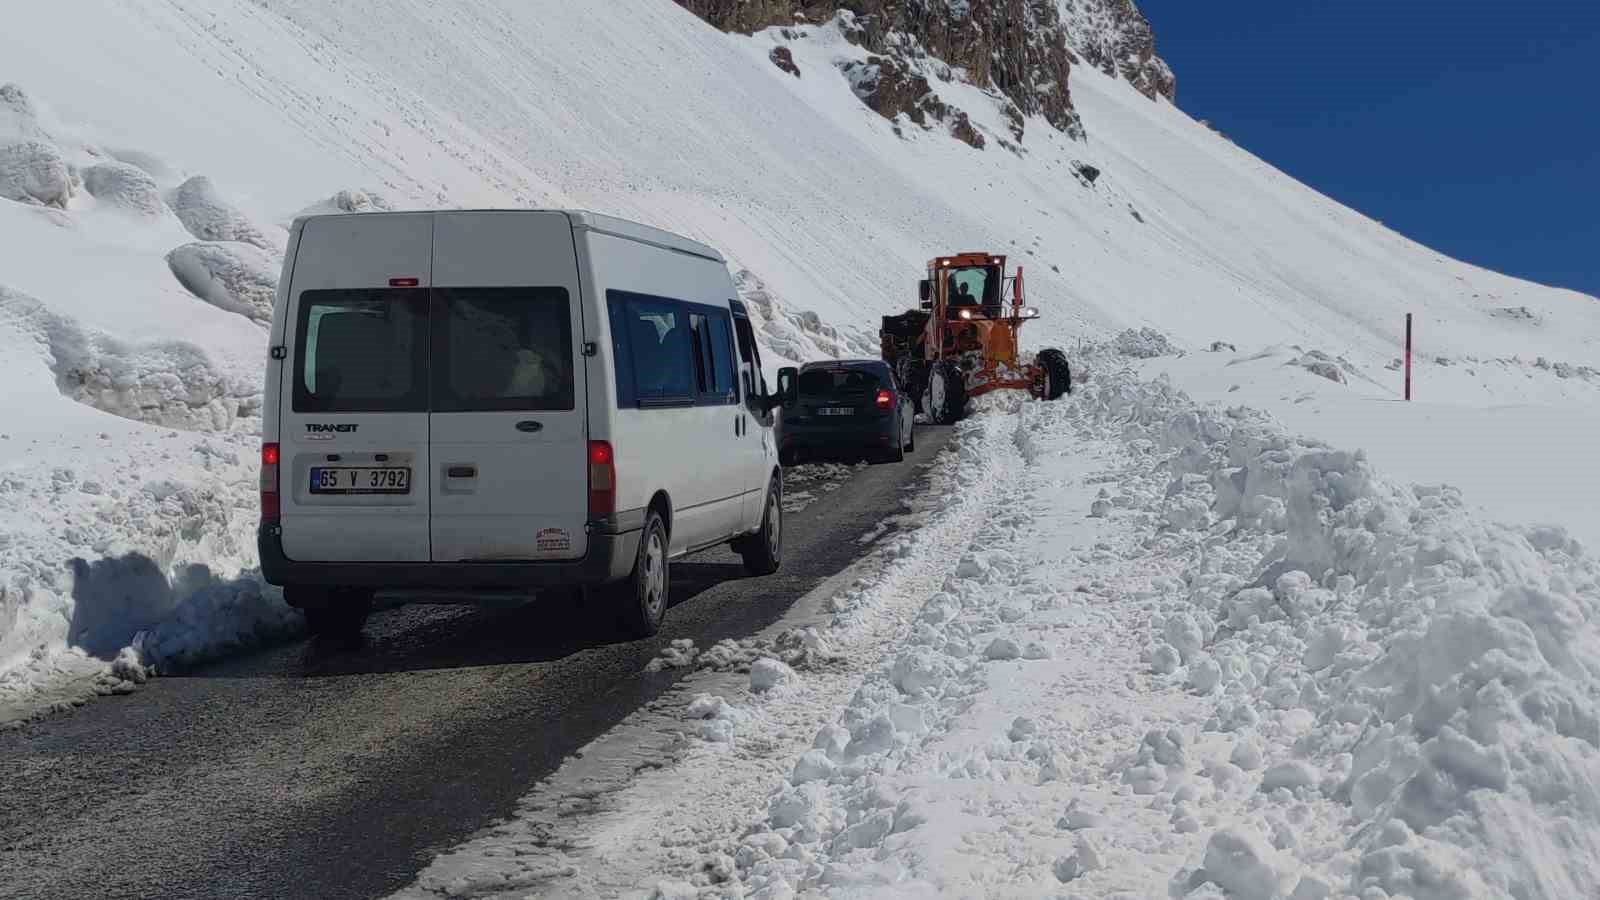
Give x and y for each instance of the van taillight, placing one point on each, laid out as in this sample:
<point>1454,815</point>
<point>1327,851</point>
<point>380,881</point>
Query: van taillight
<point>269,482</point>
<point>602,479</point>
<point>884,399</point>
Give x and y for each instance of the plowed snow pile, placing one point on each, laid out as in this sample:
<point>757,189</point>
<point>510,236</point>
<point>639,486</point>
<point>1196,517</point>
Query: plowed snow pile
<point>1203,657</point>
<point>1153,650</point>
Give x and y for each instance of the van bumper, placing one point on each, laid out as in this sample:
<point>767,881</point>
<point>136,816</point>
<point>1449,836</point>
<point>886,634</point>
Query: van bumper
<point>610,558</point>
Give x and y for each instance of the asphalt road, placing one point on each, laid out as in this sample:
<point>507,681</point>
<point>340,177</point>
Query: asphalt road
<point>329,772</point>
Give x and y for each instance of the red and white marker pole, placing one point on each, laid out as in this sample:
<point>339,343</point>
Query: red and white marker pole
<point>1408,356</point>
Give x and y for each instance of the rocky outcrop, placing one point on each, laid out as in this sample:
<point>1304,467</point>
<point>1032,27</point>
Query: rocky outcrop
<point>1116,38</point>
<point>783,58</point>
<point>1022,50</point>
<point>891,89</point>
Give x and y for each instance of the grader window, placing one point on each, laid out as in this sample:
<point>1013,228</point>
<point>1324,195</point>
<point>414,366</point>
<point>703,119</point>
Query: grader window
<point>974,287</point>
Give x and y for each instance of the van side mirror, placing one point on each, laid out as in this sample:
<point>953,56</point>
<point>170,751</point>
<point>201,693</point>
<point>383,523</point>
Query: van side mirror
<point>788,387</point>
<point>924,292</point>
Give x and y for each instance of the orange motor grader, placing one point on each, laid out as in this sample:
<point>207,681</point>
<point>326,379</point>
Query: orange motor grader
<point>961,341</point>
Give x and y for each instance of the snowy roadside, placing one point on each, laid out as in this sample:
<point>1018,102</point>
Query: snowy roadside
<point>1140,649</point>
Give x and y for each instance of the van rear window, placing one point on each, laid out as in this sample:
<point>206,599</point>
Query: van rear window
<point>502,349</point>
<point>362,351</point>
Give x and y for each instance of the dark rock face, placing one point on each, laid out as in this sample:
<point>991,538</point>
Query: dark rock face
<point>891,89</point>
<point>1022,50</point>
<point>783,59</point>
<point>1114,37</point>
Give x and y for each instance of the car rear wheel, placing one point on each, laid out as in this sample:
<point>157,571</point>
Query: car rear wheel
<point>641,598</point>
<point>763,551</point>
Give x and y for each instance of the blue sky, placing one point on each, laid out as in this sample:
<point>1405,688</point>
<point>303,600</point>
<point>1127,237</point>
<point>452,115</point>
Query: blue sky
<point>1470,126</point>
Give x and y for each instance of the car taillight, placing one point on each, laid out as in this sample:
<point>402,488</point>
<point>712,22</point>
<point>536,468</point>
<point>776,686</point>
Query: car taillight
<point>884,399</point>
<point>602,479</point>
<point>269,482</point>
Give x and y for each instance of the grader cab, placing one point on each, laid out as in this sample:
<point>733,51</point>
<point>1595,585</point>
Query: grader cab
<point>961,341</point>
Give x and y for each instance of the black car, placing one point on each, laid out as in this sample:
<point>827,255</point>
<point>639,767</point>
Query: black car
<point>844,410</point>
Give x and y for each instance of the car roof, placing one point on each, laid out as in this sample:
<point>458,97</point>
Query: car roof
<point>845,364</point>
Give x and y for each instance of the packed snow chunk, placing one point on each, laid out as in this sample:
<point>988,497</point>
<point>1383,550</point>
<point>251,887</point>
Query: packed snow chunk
<point>1002,648</point>
<point>767,673</point>
<point>125,188</point>
<point>876,735</point>
<point>1242,865</point>
<point>1324,648</point>
<point>1246,755</point>
<point>34,172</point>
<point>1165,660</point>
<point>1292,775</point>
<point>918,672</point>
<point>794,806</point>
<point>719,719</point>
<point>1144,343</point>
<point>674,890</point>
<point>347,201</point>
<point>209,217</point>
<point>679,654</point>
<point>1204,674</point>
<point>1256,604</point>
<point>832,740</point>
<point>1183,633</point>
<point>1085,858</point>
<point>813,765</point>
<point>1022,729</point>
<point>1078,817</point>
<point>240,278</point>
<point>1035,650</point>
<point>1165,747</point>
<point>1100,508</point>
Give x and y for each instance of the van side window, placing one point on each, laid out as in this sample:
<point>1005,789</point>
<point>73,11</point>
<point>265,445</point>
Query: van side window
<point>750,353</point>
<point>654,350</point>
<point>669,352</point>
<point>713,357</point>
<point>362,351</point>
<point>721,340</point>
<point>502,349</point>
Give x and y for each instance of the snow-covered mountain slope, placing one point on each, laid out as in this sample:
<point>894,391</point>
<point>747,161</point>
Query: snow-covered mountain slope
<point>158,147</point>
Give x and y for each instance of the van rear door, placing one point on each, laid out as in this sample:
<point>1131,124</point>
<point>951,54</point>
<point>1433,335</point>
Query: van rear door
<point>354,408</point>
<point>508,432</point>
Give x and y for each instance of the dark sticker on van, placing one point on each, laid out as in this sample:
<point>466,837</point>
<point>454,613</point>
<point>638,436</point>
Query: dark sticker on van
<point>329,428</point>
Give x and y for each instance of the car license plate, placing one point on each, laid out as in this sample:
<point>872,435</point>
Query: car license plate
<point>360,480</point>
<point>836,411</point>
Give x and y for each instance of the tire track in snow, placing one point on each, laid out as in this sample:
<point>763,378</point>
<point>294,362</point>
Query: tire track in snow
<point>654,794</point>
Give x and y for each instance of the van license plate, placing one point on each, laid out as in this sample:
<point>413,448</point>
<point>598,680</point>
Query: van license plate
<point>363,480</point>
<point>836,411</point>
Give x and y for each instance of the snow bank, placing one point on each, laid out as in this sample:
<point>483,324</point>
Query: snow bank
<point>172,383</point>
<point>34,172</point>
<point>234,276</point>
<point>125,187</point>
<point>1433,674</point>
<point>347,201</point>
<point>202,209</point>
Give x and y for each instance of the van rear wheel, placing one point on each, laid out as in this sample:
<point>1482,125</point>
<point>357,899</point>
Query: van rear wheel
<point>641,598</point>
<point>331,612</point>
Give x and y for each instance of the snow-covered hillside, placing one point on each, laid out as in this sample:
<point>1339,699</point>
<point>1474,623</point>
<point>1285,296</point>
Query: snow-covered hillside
<point>151,152</point>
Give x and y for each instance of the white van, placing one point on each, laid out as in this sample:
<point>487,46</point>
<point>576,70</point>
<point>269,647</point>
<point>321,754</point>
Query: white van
<point>508,401</point>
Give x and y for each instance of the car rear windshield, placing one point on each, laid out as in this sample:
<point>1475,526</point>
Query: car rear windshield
<point>502,349</point>
<point>362,351</point>
<point>838,382</point>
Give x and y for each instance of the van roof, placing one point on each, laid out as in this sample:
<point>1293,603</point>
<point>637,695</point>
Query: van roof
<point>584,219</point>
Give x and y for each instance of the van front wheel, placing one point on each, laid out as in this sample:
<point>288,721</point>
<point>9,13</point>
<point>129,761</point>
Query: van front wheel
<point>641,598</point>
<point>763,551</point>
